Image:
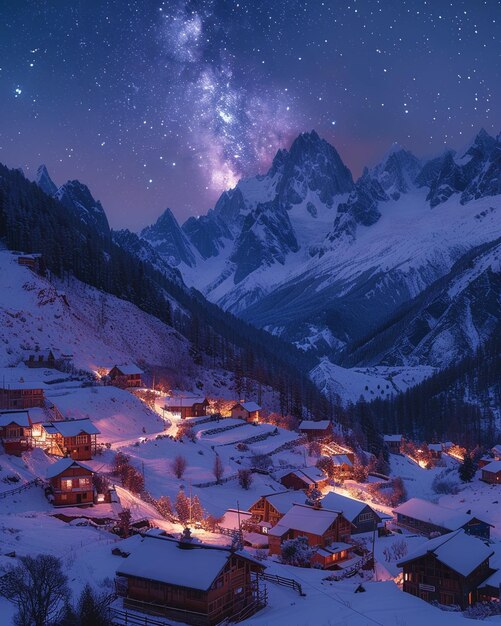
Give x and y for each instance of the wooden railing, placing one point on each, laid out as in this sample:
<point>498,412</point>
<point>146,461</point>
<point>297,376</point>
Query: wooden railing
<point>285,582</point>
<point>11,492</point>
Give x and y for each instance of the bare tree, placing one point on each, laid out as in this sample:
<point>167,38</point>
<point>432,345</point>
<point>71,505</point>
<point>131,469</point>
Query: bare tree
<point>178,466</point>
<point>218,469</point>
<point>39,589</point>
<point>245,478</point>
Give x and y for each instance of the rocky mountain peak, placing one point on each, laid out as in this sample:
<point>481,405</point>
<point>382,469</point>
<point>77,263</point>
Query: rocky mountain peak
<point>167,238</point>
<point>44,181</point>
<point>77,197</point>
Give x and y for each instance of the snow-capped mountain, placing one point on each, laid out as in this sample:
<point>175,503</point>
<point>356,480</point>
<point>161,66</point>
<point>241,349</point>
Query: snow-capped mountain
<point>308,254</point>
<point>76,196</point>
<point>44,181</point>
<point>169,240</point>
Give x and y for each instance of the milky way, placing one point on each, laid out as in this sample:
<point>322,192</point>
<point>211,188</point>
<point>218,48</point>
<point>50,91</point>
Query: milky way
<point>157,104</point>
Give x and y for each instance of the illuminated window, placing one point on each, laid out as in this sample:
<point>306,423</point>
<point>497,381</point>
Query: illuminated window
<point>66,484</point>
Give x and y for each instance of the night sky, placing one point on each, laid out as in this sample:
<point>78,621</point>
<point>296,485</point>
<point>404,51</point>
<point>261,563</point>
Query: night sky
<point>157,104</point>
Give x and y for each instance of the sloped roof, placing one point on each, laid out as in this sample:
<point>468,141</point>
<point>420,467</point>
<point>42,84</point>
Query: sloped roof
<point>349,507</point>
<point>248,406</point>
<point>425,511</point>
<point>63,464</point>
<point>283,500</point>
<point>72,428</point>
<point>459,551</point>
<point>310,475</point>
<point>21,418</point>
<point>129,368</point>
<point>394,438</point>
<point>232,517</point>
<point>493,466</point>
<point>184,402</point>
<point>306,519</point>
<point>164,560</point>
<point>314,425</point>
<point>435,447</point>
<point>497,448</point>
<point>341,459</point>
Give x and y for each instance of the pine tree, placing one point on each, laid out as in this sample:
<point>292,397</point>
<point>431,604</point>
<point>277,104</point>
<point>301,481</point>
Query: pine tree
<point>182,507</point>
<point>467,469</point>
<point>197,512</point>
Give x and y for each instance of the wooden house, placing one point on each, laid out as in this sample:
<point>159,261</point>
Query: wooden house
<point>435,450</point>
<point>21,395</point>
<point>343,465</point>
<point>316,429</point>
<point>15,431</point>
<point>270,508</point>
<point>425,517</point>
<point>485,460</point>
<point>248,411</point>
<point>363,518</point>
<point>194,406</point>
<point>304,479</point>
<point>393,443</point>
<point>74,438</point>
<point>327,531</point>
<point>128,375</point>
<point>491,473</point>
<point>190,582</point>
<point>71,483</point>
<point>49,358</point>
<point>496,451</point>
<point>448,569</point>
<point>33,261</point>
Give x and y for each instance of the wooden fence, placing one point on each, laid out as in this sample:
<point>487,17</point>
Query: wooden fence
<point>285,582</point>
<point>11,492</point>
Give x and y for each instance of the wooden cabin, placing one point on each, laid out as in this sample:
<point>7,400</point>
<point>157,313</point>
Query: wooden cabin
<point>15,431</point>
<point>327,531</point>
<point>270,508</point>
<point>304,479</point>
<point>435,450</point>
<point>248,411</point>
<point>49,358</point>
<point>128,375</point>
<point>393,443</point>
<point>448,569</point>
<point>343,465</point>
<point>190,582</point>
<point>32,261</point>
<point>71,483</point>
<point>21,395</point>
<point>194,406</point>
<point>316,429</point>
<point>491,473</point>
<point>496,451</point>
<point>363,518</point>
<point>425,517</point>
<point>74,438</point>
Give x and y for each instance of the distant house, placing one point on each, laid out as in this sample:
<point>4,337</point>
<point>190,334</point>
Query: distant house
<point>71,483</point>
<point>194,406</point>
<point>19,394</point>
<point>393,443</point>
<point>485,460</point>
<point>74,438</point>
<point>360,514</point>
<point>248,411</point>
<point>343,465</point>
<point>435,450</point>
<point>128,375</point>
<point>50,358</point>
<point>491,473</point>
<point>304,479</point>
<point>233,519</point>
<point>15,431</point>
<point>314,429</point>
<point>270,508</point>
<point>448,569</point>
<point>193,583</point>
<point>33,261</point>
<point>496,451</point>
<point>425,517</point>
<point>327,531</point>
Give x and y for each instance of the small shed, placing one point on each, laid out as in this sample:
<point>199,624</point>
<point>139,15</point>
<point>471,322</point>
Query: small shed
<point>316,429</point>
<point>248,411</point>
<point>71,483</point>
<point>491,473</point>
<point>15,431</point>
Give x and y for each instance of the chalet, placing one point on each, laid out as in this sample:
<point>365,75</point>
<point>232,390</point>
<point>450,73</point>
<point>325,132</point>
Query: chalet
<point>360,514</point>
<point>195,406</point>
<point>327,531</point>
<point>448,569</point>
<point>33,261</point>
<point>496,451</point>
<point>485,460</point>
<point>316,429</point>
<point>393,443</point>
<point>248,411</point>
<point>435,450</point>
<point>425,517</point>
<point>74,438</point>
<point>71,483</point>
<point>128,375</point>
<point>193,583</point>
<point>304,479</point>
<point>491,473</point>
<point>343,465</point>
<point>15,431</point>
<point>50,358</point>
<point>17,392</point>
<point>270,508</point>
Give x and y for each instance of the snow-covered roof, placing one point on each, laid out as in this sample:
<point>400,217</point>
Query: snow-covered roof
<point>341,459</point>
<point>314,425</point>
<point>72,428</point>
<point>496,449</point>
<point>63,464</point>
<point>459,551</point>
<point>435,447</point>
<point>306,519</point>
<point>248,406</point>
<point>284,500</point>
<point>177,401</point>
<point>493,466</point>
<point>394,438</point>
<point>165,560</point>
<point>333,548</point>
<point>425,511</point>
<point>21,418</point>
<point>310,475</point>
<point>349,507</point>
<point>129,369</point>
<point>232,517</point>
